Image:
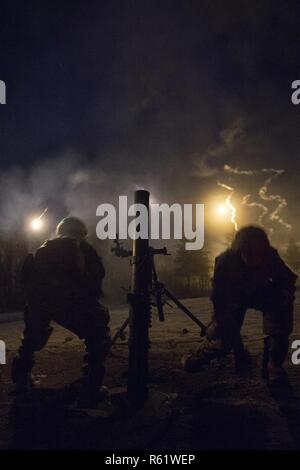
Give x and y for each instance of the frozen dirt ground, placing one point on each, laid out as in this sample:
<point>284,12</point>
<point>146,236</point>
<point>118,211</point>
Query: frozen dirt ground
<point>211,410</point>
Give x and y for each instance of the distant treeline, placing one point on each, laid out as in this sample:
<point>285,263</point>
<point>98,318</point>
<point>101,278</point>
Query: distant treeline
<point>12,255</point>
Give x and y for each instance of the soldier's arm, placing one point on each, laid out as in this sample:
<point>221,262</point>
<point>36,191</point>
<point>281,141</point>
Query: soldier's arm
<point>99,265</point>
<point>220,278</point>
<point>284,277</point>
<point>95,269</point>
<point>282,272</point>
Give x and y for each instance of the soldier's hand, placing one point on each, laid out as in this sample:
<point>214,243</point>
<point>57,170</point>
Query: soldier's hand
<point>288,295</point>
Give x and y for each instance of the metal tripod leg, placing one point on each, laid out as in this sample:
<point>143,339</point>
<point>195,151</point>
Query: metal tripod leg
<point>120,331</point>
<point>186,311</point>
<point>179,305</point>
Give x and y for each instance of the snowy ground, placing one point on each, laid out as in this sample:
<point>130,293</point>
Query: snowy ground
<point>211,410</point>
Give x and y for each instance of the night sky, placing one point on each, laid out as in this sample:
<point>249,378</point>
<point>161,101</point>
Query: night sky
<point>112,95</point>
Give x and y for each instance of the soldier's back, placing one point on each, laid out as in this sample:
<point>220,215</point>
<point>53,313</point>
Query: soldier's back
<point>58,267</point>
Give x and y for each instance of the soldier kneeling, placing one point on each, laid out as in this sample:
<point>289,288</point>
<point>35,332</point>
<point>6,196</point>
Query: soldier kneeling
<point>63,283</point>
<point>250,274</point>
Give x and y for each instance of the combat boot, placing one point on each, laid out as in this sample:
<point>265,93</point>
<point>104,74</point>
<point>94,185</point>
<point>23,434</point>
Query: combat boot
<point>90,398</point>
<point>91,391</point>
<point>276,373</point>
<point>272,369</point>
<point>242,359</point>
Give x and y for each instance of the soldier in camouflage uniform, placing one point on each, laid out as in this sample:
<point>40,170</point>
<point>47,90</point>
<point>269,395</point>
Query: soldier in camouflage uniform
<point>63,283</point>
<point>250,274</point>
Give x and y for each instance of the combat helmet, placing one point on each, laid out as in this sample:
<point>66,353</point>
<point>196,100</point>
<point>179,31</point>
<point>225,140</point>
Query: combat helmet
<point>71,227</point>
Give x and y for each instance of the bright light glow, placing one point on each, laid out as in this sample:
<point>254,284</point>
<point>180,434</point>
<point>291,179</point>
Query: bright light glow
<point>36,224</point>
<point>222,210</point>
<point>229,204</point>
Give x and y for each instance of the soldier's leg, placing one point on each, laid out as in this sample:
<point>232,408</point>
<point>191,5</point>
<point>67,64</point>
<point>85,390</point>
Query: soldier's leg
<point>223,335</point>
<point>90,321</point>
<point>242,358</point>
<point>277,325</point>
<point>35,335</point>
<point>97,341</point>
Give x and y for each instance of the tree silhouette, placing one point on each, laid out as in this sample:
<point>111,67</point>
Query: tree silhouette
<point>192,269</point>
<point>292,255</point>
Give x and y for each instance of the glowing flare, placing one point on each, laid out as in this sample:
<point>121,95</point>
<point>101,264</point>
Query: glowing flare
<point>222,209</point>
<point>230,206</point>
<point>37,223</point>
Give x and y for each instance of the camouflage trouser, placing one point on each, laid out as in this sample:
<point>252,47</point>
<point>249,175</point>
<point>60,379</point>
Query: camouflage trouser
<point>223,333</point>
<point>85,317</point>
